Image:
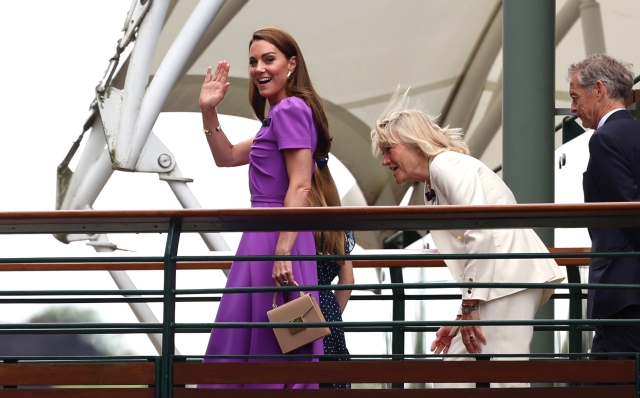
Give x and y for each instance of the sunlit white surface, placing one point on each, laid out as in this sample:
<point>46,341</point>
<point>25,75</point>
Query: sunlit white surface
<point>568,186</point>
<point>568,189</point>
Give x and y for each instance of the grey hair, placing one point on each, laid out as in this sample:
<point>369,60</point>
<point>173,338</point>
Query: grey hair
<point>616,76</point>
<point>400,123</point>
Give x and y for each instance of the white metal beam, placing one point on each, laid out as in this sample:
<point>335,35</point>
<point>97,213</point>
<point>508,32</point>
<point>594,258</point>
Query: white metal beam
<point>592,29</point>
<point>128,142</point>
<point>172,69</point>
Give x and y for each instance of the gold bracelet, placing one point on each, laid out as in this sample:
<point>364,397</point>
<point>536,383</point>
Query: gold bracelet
<point>208,132</point>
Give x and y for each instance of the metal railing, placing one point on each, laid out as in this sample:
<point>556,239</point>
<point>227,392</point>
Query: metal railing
<point>376,218</point>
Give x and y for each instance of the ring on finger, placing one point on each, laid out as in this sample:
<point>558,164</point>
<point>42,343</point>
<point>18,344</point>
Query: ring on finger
<point>285,282</point>
<point>471,337</point>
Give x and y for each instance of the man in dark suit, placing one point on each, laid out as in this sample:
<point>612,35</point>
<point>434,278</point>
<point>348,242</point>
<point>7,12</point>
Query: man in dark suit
<point>599,87</point>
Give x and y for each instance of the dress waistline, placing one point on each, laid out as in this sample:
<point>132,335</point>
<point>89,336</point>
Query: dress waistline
<point>267,199</point>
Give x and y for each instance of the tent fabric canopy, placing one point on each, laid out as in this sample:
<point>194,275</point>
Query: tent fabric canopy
<point>359,52</point>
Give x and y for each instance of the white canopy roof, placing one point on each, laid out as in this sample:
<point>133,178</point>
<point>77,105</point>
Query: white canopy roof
<point>359,51</point>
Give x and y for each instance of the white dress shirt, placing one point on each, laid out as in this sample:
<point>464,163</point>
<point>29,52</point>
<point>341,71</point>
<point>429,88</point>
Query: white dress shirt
<point>605,117</point>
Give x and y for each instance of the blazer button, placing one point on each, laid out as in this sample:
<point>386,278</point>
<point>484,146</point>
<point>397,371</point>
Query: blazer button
<point>459,238</point>
<point>470,279</point>
<point>469,291</point>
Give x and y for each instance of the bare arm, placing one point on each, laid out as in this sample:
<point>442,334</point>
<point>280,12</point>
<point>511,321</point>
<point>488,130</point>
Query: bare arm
<point>299,163</point>
<point>212,93</point>
<point>345,277</point>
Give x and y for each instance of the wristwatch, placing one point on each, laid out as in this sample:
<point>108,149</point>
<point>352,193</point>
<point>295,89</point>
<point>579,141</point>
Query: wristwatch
<point>468,309</point>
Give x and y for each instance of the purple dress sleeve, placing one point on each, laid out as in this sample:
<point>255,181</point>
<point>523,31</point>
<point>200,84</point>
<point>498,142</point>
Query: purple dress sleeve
<point>293,126</point>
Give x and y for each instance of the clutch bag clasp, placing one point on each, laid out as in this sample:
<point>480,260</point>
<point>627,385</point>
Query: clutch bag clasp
<point>296,330</point>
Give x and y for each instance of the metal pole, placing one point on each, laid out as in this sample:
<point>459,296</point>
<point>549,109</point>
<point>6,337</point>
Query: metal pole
<point>398,303</point>
<point>172,68</point>
<point>169,309</point>
<point>489,125</point>
<point>397,333</point>
<point>214,241</point>
<point>92,173</point>
<point>575,310</point>
<point>129,142</point>
<point>528,115</point>
<point>566,18</point>
<point>592,29</point>
<point>468,94</point>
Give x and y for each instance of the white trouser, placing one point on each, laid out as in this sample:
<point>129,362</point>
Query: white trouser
<point>501,339</point>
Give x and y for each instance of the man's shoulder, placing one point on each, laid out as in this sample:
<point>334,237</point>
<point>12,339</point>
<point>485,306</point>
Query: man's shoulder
<point>620,127</point>
<point>621,117</point>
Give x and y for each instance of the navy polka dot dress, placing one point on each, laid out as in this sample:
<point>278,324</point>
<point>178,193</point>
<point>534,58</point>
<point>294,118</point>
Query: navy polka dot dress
<point>327,272</point>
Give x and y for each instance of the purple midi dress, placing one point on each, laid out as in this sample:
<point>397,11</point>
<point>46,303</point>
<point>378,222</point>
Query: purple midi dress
<point>291,126</point>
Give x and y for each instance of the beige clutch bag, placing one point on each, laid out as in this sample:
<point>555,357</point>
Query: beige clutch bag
<point>302,309</point>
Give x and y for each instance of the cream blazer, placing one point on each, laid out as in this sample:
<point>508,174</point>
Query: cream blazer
<point>459,179</point>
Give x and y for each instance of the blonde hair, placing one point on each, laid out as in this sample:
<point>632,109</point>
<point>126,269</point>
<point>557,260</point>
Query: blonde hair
<point>400,123</point>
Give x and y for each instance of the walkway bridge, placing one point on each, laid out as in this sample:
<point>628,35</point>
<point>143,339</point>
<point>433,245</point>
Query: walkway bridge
<point>170,375</point>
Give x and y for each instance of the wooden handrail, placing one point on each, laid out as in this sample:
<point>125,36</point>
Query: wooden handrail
<point>413,371</point>
<point>627,391</point>
<point>372,218</point>
<point>148,266</point>
<point>39,374</point>
<point>143,374</point>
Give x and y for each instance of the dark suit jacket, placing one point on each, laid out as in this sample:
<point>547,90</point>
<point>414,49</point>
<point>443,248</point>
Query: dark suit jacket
<point>613,175</point>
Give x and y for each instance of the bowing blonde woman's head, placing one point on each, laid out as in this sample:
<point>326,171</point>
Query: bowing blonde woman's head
<point>402,124</point>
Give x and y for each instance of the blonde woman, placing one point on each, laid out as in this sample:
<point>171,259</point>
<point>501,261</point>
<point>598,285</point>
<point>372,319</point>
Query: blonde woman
<point>414,148</point>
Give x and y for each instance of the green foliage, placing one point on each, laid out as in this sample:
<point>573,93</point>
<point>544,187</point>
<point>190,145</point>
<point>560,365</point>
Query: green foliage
<point>107,345</point>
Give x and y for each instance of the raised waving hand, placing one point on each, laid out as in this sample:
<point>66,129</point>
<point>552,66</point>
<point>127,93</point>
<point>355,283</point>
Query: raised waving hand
<point>215,86</point>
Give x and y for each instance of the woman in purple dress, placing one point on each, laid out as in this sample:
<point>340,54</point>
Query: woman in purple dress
<point>281,161</point>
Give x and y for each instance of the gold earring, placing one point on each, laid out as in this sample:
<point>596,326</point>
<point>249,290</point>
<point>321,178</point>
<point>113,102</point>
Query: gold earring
<point>289,74</point>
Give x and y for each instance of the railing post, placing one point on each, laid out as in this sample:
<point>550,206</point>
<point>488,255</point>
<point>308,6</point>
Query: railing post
<point>570,129</point>
<point>398,311</point>
<point>158,378</point>
<point>575,311</point>
<point>638,375</point>
<point>169,309</point>
<point>10,361</point>
<point>397,333</point>
<point>528,116</point>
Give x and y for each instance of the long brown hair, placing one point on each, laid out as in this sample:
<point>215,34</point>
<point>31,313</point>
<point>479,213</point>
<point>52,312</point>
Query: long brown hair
<point>299,85</point>
<point>325,193</point>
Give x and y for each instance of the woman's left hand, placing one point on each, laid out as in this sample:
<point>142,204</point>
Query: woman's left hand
<point>443,340</point>
<point>282,274</point>
<point>472,335</point>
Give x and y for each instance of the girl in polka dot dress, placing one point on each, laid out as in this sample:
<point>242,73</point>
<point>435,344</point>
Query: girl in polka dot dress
<point>324,193</point>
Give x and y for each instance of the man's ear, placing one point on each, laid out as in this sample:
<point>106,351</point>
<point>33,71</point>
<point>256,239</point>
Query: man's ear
<point>601,90</point>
